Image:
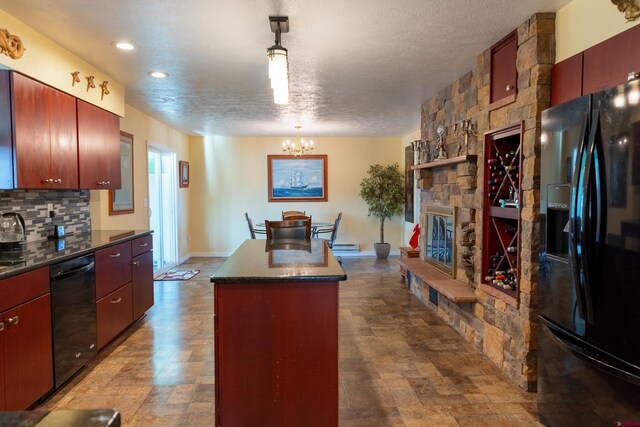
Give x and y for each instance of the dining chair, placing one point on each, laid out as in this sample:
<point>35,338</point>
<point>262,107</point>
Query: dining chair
<point>299,229</point>
<point>298,217</point>
<point>252,230</point>
<point>334,233</point>
<point>287,214</point>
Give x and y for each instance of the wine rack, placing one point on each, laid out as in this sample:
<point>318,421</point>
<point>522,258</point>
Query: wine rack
<point>502,196</point>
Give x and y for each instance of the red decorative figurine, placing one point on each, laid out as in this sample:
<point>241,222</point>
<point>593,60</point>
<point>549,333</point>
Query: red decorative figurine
<point>414,238</point>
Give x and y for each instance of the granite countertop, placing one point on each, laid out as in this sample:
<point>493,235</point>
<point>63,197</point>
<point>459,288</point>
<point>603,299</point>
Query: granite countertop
<point>61,418</point>
<point>46,252</point>
<point>281,260</point>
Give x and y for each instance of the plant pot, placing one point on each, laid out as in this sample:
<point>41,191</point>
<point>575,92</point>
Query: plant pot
<point>382,250</point>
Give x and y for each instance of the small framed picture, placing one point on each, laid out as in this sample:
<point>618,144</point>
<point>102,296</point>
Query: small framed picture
<point>184,174</point>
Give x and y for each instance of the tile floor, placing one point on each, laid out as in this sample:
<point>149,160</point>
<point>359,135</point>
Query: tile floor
<point>400,365</point>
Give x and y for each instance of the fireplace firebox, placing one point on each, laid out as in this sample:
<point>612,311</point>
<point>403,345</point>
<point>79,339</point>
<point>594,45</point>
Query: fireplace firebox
<point>440,238</point>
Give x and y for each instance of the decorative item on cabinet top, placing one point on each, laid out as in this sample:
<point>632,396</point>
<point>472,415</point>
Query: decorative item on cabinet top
<point>630,9</point>
<point>11,45</point>
<point>90,83</point>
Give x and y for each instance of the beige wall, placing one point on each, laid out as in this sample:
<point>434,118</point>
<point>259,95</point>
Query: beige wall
<point>51,64</point>
<point>584,23</point>
<point>144,130</point>
<point>229,177</point>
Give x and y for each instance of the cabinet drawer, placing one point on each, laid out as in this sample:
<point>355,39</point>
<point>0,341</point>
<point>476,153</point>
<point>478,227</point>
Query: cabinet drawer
<point>114,313</point>
<point>141,245</point>
<point>23,287</point>
<point>113,268</point>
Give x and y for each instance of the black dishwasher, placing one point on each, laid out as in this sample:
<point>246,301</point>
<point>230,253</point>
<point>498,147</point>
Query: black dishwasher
<point>73,312</point>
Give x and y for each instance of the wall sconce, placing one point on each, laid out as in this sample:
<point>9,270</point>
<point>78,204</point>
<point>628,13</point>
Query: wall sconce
<point>466,128</point>
<point>279,61</point>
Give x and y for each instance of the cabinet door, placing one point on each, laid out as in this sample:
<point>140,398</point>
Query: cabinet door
<point>566,80</point>
<point>98,147</point>
<point>2,387</point>
<point>114,313</point>
<point>113,268</point>
<point>142,279</point>
<point>608,63</point>
<point>64,139</point>
<point>28,354</point>
<point>32,137</point>
<point>503,68</point>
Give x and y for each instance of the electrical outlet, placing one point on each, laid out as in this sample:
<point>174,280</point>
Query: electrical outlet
<point>49,207</point>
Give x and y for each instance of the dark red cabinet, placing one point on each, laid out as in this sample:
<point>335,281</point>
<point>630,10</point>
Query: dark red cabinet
<point>566,80</point>
<point>98,147</point>
<point>503,70</point>
<point>609,63</point>
<point>142,278</point>
<point>114,313</point>
<point>44,135</point>
<point>26,358</point>
<point>113,268</point>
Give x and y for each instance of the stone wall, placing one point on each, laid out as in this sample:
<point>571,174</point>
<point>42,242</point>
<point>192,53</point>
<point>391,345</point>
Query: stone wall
<point>503,330</point>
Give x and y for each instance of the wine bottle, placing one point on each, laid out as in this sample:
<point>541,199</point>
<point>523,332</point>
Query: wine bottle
<point>492,161</point>
<point>511,168</point>
<point>495,181</point>
<point>497,174</point>
<point>510,230</point>
<point>512,249</point>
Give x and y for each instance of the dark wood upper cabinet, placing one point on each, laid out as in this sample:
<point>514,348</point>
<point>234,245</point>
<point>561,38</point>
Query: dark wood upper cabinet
<point>503,70</point>
<point>44,135</point>
<point>98,147</point>
<point>609,63</point>
<point>566,80</point>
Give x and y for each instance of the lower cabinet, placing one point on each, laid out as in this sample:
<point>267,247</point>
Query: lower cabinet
<point>28,367</point>
<point>142,275</point>
<point>114,313</point>
<point>26,357</point>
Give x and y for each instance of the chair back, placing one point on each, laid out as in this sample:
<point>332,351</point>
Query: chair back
<point>250,224</point>
<point>299,229</point>
<point>298,217</point>
<point>334,232</point>
<point>287,214</point>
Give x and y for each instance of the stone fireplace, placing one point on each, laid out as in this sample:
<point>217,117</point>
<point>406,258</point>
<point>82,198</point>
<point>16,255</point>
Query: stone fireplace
<point>504,330</point>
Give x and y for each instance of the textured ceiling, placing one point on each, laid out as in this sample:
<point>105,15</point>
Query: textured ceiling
<point>357,67</point>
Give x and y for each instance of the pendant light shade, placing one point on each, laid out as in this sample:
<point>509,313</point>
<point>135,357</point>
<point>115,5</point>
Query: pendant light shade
<point>279,61</point>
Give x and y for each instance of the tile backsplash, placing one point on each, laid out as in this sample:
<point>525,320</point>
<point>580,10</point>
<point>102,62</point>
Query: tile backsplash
<point>71,208</point>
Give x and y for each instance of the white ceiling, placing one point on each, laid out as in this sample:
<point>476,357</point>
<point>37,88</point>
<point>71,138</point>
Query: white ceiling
<point>357,67</point>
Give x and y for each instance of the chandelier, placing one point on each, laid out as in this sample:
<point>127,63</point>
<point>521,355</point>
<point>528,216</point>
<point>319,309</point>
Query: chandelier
<point>299,146</point>
<point>279,61</point>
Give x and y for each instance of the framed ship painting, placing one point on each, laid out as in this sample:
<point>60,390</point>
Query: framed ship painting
<point>301,179</point>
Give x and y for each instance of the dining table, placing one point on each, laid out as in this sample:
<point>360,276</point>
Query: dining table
<point>317,227</point>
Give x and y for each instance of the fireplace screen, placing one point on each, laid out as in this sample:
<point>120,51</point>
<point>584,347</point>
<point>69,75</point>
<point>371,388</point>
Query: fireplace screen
<point>440,238</point>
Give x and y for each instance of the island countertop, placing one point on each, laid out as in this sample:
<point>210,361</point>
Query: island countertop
<point>282,260</point>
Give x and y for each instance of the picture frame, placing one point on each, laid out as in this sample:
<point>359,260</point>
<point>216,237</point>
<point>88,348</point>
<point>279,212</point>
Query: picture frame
<point>121,201</point>
<point>183,173</point>
<point>292,179</point>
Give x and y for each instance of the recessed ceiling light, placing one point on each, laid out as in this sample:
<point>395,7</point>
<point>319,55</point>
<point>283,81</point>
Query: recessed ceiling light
<point>123,45</point>
<point>158,74</point>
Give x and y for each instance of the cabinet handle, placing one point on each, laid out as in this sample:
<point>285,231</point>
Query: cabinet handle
<point>14,320</point>
<point>509,88</point>
<point>135,263</point>
<point>91,346</point>
<point>1,326</point>
<point>78,355</point>
<point>108,183</point>
<point>57,181</point>
<point>633,75</point>
<point>116,301</point>
<point>47,181</point>
<point>114,255</point>
<point>142,245</point>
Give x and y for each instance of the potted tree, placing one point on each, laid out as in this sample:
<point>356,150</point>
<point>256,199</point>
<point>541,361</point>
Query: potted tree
<point>383,191</point>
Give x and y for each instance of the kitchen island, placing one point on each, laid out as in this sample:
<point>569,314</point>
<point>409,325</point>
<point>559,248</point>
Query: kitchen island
<point>276,334</point>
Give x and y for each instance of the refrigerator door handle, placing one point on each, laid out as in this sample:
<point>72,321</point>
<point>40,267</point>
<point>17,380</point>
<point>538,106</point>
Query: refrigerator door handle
<point>586,352</point>
<point>576,236</point>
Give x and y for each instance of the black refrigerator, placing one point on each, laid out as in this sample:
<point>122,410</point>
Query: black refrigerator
<point>589,323</point>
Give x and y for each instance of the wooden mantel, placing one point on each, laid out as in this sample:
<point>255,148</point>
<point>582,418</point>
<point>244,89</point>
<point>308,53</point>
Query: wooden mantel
<point>445,162</point>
